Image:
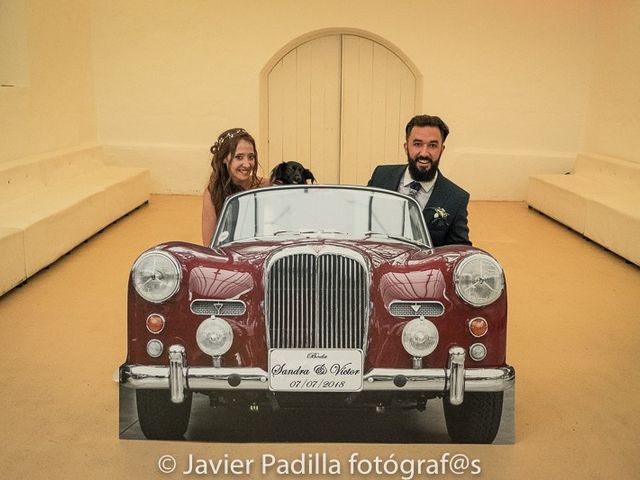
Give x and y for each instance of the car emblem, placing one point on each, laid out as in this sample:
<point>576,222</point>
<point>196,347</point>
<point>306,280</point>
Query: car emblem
<point>415,307</point>
<point>218,307</point>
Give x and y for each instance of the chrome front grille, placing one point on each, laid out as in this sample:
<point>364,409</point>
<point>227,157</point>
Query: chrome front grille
<point>317,300</point>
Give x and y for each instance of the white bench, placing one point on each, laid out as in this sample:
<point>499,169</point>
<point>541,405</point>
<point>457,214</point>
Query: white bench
<point>600,200</point>
<point>51,203</point>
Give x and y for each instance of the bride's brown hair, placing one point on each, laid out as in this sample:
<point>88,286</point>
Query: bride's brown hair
<point>220,184</point>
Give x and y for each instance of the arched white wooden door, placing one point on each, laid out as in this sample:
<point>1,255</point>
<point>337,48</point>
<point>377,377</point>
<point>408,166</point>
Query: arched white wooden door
<point>338,104</point>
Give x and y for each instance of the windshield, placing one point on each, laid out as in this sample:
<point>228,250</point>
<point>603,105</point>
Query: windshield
<point>320,210</point>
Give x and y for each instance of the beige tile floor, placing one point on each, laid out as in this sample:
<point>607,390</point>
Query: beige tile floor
<point>573,338</point>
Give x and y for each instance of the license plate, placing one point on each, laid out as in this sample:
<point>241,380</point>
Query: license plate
<point>315,370</point>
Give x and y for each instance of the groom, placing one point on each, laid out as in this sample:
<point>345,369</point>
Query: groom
<point>443,203</point>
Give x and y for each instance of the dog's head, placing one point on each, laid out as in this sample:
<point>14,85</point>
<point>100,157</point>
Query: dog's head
<point>291,173</point>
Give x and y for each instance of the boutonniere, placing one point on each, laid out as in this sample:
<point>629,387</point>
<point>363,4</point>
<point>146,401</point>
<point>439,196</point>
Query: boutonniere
<point>439,217</point>
<point>440,213</point>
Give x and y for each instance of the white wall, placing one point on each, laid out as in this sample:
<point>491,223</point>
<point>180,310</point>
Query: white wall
<point>53,105</point>
<point>511,78</point>
<point>613,127</point>
<point>523,85</point>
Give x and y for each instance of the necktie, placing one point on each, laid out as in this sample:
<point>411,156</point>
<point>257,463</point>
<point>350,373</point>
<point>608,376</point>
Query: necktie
<point>414,188</point>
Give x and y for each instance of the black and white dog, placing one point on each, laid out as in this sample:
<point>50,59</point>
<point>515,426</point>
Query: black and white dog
<point>291,173</point>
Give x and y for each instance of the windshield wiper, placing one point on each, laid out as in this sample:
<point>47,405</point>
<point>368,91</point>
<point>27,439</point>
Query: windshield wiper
<point>307,232</point>
<point>333,232</point>
<point>371,233</point>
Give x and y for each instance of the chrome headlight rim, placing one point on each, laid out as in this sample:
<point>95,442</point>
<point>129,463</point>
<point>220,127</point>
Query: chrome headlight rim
<point>174,263</point>
<point>459,271</point>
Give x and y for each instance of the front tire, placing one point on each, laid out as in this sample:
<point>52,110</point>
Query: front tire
<point>160,418</point>
<point>476,420</point>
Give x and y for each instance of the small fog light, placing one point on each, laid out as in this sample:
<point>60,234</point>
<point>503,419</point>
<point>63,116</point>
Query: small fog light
<point>155,348</point>
<point>155,323</point>
<point>214,336</point>
<point>478,326</point>
<point>477,351</point>
<point>420,337</point>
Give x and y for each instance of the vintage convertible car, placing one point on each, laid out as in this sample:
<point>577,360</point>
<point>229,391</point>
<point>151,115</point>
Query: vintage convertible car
<point>318,297</point>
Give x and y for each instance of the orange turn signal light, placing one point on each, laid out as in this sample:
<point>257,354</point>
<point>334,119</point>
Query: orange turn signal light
<point>155,323</point>
<point>478,326</point>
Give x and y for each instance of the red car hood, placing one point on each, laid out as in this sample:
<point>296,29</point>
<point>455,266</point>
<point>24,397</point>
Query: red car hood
<point>376,251</point>
<point>237,268</point>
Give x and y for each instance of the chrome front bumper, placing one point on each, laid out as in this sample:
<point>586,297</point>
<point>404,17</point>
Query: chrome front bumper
<point>456,379</point>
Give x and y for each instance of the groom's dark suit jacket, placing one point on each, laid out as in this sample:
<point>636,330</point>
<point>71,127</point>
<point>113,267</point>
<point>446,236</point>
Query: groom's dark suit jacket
<point>451,230</point>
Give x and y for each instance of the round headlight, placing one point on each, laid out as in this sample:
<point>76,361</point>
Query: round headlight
<point>420,337</point>
<point>479,280</point>
<point>156,276</point>
<point>214,336</point>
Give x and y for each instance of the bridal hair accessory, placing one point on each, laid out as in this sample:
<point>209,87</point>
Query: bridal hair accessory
<point>227,136</point>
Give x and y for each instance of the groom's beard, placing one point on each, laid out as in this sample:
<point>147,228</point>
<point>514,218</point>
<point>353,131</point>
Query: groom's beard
<point>423,175</point>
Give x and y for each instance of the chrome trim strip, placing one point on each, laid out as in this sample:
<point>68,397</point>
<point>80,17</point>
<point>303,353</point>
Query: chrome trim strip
<point>144,376</point>
<point>177,365</point>
<point>435,379</point>
<point>211,378</point>
<point>425,379</point>
<point>378,379</point>
<point>197,378</point>
<point>456,375</point>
